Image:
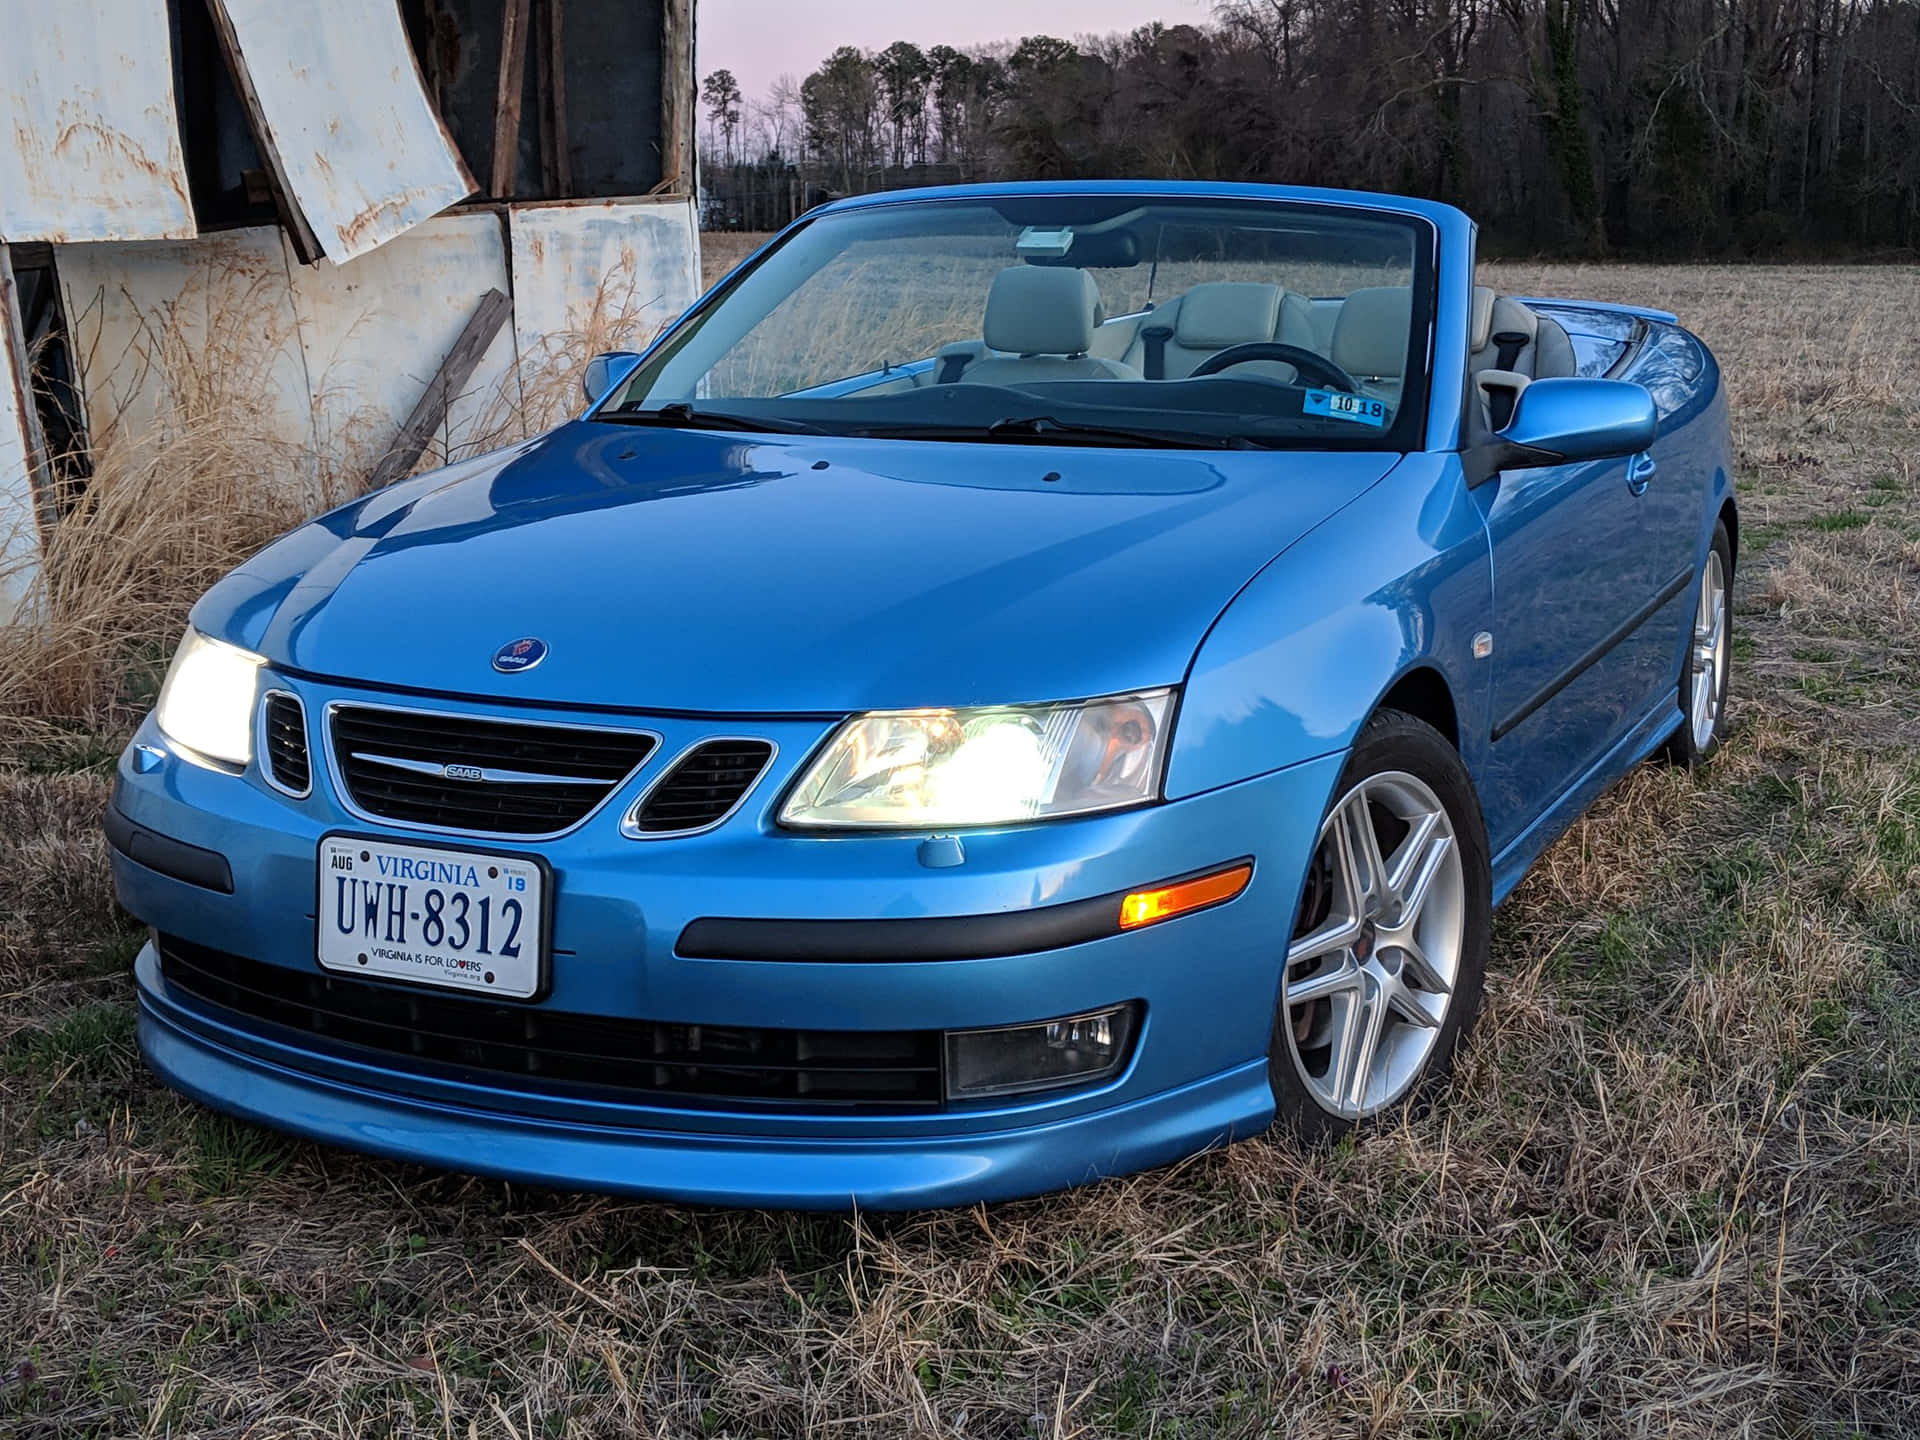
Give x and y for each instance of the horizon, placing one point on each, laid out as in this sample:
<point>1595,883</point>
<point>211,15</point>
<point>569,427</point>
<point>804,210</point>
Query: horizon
<point>761,40</point>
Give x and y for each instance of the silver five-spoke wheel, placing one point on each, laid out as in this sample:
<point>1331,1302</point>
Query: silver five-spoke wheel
<point>1376,955</point>
<point>1707,675</point>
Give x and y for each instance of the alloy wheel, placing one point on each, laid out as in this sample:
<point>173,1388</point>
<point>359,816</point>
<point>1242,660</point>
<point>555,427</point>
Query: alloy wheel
<point>1375,956</point>
<point>1707,676</point>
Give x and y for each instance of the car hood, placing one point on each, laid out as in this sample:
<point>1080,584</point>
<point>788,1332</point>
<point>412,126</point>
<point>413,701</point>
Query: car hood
<point>691,571</point>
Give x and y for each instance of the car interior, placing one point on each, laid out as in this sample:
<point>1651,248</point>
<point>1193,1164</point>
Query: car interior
<point>1045,322</point>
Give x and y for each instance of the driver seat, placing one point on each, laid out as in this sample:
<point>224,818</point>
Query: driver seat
<point>1216,316</point>
<point>1370,339</point>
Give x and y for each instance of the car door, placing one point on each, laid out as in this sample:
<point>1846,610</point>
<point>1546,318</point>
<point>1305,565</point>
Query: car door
<point>1572,582</point>
<point>1676,475</point>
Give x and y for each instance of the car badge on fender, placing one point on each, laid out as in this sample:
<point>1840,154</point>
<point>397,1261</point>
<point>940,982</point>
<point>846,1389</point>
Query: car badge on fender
<point>517,655</point>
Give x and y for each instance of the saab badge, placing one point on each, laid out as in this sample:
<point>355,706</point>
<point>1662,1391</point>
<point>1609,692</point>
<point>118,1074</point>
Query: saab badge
<point>517,655</point>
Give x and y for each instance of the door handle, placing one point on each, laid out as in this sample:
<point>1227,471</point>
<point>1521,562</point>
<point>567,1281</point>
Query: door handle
<point>1640,471</point>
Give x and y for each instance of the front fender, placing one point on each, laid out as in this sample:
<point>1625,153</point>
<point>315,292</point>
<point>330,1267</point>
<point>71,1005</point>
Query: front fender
<point>1400,579</point>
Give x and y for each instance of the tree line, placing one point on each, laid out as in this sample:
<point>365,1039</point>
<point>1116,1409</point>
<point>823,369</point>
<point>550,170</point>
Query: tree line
<point>1672,127</point>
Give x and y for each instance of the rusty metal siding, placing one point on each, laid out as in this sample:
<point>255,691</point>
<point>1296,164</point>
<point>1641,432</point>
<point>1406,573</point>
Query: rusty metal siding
<point>176,330</point>
<point>597,275</point>
<point>375,331</point>
<point>90,148</point>
<point>362,148</point>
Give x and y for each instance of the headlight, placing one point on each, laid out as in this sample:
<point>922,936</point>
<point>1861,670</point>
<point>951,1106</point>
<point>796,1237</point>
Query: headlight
<point>911,769</point>
<point>206,704</point>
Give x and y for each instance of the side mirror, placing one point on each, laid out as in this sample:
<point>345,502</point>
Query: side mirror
<point>1561,420</point>
<point>606,371</point>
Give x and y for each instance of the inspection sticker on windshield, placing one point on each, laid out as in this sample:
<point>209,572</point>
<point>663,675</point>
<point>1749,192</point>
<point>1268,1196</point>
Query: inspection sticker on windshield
<point>1335,406</point>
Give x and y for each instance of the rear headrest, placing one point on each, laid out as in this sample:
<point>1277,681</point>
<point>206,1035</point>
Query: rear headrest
<point>1480,327</point>
<point>1227,312</point>
<point>1370,337</point>
<point>1041,310</point>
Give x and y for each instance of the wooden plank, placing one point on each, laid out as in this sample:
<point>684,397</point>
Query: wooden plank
<point>514,16</point>
<point>448,381</point>
<point>91,148</point>
<point>305,244</point>
<point>556,169</point>
<point>676,98</point>
<point>352,137</point>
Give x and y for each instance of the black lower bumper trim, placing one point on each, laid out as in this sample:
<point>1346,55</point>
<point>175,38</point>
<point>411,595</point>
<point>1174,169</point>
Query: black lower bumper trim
<point>956,937</point>
<point>164,855</point>
<point>934,937</point>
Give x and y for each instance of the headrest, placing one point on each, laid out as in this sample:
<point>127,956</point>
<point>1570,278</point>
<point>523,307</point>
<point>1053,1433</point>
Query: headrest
<point>1480,326</point>
<point>1041,310</point>
<point>1227,312</point>
<point>1370,338</point>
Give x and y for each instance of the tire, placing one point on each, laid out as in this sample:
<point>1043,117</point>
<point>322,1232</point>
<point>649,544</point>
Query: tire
<point>1704,705</point>
<point>1348,963</point>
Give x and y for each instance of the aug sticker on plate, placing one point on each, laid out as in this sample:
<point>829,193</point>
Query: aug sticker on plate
<point>1361,409</point>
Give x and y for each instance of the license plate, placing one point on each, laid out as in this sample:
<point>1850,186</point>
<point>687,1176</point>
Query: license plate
<point>460,919</point>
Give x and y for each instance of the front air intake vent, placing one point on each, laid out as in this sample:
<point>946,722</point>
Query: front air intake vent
<point>483,776</point>
<point>703,788</point>
<point>288,764</point>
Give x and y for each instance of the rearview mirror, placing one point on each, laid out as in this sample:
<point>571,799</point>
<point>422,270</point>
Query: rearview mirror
<point>1561,420</point>
<point>606,371</point>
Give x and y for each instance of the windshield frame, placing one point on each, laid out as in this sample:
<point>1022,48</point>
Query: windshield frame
<point>1407,433</point>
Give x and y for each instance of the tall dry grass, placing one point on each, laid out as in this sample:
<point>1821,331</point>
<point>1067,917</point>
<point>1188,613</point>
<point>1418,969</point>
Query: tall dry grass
<point>200,473</point>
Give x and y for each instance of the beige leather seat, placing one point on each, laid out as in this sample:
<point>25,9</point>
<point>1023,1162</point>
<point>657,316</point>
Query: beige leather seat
<point>1506,335</point>
<point>1371,338</point>
<point>1216,316</point>
<point>1510,346</point>
<point>1041,320</point>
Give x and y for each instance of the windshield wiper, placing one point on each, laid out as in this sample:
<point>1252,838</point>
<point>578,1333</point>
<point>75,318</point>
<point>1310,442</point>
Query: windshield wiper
<point>1016,428</point>
<point>680,415</point>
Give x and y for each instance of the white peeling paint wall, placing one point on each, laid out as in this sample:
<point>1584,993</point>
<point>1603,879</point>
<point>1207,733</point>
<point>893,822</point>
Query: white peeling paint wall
<point>362,147</point>
<point>91,139</point>
<point>375,330</point>
<point>168,333</point>
<point>594,276</point>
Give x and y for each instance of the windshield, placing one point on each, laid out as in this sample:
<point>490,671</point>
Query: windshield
<point>1075,319</point>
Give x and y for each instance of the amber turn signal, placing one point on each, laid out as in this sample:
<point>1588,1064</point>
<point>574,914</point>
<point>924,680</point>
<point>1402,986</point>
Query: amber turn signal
<point>1149,907</point>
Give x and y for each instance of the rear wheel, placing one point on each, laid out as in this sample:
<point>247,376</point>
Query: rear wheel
<point>1708,675</point>
<point>1386,962</point>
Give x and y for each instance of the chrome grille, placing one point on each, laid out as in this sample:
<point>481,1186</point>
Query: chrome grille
<point>285,723</point>
<point>494,777</point>
<point>704,786</point>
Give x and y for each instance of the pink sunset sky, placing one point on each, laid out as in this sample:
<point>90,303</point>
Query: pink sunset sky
<point>760,40</point>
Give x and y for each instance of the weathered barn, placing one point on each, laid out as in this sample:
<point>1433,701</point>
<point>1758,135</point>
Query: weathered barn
<point>390,219</point>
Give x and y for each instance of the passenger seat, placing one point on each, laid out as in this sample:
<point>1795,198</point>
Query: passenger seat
<point>1041,319</point>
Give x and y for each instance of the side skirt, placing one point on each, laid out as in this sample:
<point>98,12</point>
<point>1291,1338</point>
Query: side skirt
<point>1512,863</point>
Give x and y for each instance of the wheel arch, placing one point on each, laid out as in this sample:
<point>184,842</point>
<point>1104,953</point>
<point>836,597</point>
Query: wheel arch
<point>1423,692</point>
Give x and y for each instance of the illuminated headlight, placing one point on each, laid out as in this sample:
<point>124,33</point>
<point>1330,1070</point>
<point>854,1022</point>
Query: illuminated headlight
<point>911,769</point>
<point>206,704</point>
<point>1067,1051</point>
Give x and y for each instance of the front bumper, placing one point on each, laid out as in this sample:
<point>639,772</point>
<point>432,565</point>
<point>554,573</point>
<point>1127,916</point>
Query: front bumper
<point>1196,1077</point>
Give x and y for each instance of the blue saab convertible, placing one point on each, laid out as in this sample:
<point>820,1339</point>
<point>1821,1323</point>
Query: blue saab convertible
<point>1019,684</point>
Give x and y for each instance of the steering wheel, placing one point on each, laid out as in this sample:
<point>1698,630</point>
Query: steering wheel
<point>1305,363</point>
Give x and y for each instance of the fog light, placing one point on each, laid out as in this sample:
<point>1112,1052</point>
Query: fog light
<point>1040,1056</point>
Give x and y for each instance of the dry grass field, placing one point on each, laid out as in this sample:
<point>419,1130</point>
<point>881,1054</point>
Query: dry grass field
<point>1674,1189</point>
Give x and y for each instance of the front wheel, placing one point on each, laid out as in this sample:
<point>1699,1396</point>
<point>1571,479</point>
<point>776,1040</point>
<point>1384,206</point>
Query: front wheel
<point>1708,673</point>
<point>1388,954</point>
